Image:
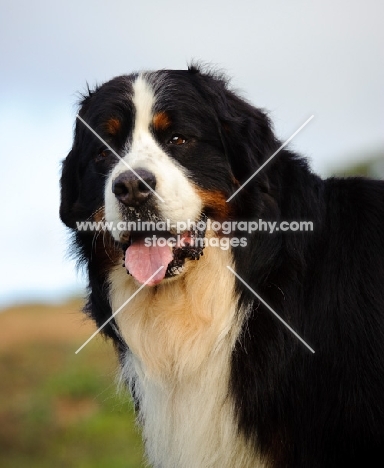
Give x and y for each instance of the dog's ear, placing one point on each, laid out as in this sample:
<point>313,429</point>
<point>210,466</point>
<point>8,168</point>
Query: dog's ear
<point>71,210</point>
<point>245,130</point>
<point>247,134</point>
<point>70,189</point>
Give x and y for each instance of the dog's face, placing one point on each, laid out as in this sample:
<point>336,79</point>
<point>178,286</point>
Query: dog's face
<point>158,147</point>
<point>166,175</point>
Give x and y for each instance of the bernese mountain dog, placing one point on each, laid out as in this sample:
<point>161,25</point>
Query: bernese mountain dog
<point>184,279</point>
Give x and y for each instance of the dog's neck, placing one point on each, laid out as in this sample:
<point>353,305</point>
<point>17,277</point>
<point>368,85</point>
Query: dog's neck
<point>174,327</point>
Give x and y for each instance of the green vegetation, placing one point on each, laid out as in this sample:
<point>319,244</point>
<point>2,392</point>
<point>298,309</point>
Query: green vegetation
<point>58,409</point>
<point>372,165</point>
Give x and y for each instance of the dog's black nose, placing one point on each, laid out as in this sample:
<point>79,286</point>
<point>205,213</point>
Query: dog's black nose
<point>133,189</point>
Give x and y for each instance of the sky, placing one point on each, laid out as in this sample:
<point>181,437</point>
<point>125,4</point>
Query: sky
<point>294,59</point>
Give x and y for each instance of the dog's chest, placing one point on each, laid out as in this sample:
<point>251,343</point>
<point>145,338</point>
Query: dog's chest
<point>181,337</point>
<point>189,422</point>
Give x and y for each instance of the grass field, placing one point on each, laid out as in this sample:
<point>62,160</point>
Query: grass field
<point>59,409</point>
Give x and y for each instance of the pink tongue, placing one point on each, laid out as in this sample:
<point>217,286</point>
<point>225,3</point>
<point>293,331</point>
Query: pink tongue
<point>143,261</point>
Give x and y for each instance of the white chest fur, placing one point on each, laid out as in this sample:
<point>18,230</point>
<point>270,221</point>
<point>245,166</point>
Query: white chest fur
<point>181,335</point>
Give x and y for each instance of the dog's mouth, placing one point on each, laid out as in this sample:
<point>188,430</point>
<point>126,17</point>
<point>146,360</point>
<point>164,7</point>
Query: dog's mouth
<point>150,257</point>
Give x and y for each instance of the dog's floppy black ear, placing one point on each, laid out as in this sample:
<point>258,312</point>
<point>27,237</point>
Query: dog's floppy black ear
<point>245,130</point>
<point>71,210</point>
<point>247,133</point>
<point>70,188</point>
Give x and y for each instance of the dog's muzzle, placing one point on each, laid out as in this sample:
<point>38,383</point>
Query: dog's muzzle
<point>151,256</point>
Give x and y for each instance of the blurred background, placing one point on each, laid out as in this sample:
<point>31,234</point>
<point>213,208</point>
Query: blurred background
<point>293,59</point>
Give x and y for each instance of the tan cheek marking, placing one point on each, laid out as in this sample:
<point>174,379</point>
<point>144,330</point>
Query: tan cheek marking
<point>99,215</point>
<point>161,121</point>
<point>113,126</point>
<point>215,201</point>
<point>104,249</point>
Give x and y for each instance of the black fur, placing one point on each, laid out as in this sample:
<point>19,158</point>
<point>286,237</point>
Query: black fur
<point>301,409</point>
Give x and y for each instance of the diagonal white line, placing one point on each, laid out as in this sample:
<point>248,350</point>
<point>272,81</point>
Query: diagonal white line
<point>118,310</point>
<point>270,308</point>
<point>119,157</point>
<point>270,158</point>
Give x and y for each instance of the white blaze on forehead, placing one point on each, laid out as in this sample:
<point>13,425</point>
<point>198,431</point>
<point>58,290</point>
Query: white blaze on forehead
<point>143,100</point>
<point>180,200</point>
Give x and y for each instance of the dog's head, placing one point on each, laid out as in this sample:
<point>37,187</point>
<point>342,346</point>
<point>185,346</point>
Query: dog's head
<point>165,150</point>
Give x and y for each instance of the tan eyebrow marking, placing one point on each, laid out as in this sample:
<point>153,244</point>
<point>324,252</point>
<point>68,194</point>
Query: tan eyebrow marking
<point>113,126</point>
<point>161,121</point>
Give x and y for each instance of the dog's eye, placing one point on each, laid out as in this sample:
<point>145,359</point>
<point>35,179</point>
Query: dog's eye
<point>102,154</point>
<point>177,140</point>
